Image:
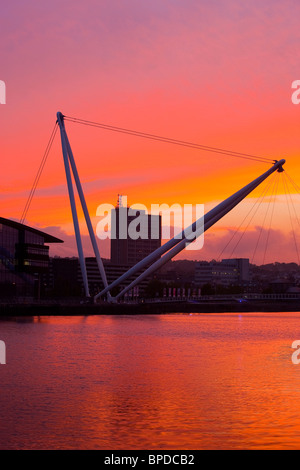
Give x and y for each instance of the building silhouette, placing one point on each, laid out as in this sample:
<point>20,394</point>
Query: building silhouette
<point>64,277</point>
<point>125,250</point>
<point>226,273</point>
<point>23,258</point>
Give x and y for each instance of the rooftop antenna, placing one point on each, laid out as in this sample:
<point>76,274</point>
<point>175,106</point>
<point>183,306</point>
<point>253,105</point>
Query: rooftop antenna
<point>120,201</point>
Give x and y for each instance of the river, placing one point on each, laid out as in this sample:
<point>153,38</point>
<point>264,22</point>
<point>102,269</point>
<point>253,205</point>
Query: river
<point>217,381</point>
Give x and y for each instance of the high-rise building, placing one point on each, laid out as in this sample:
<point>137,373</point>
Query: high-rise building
<point>133,236</point>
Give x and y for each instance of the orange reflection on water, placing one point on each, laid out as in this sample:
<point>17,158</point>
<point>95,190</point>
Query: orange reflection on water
<point>152,382</point>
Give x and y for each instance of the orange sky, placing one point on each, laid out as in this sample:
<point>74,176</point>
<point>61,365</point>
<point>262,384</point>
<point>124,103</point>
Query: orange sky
<point>218,73</point>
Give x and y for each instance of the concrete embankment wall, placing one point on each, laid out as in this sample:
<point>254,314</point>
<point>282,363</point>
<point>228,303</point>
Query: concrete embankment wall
<point>147,308</point>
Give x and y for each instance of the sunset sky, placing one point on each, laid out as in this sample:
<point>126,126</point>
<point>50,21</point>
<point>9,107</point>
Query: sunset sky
<point>218,73</point>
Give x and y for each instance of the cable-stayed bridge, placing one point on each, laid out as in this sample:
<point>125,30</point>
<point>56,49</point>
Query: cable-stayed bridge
<point>171,248</point>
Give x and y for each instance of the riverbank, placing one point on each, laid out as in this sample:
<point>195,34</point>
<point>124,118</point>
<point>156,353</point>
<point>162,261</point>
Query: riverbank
<point>154,308</point>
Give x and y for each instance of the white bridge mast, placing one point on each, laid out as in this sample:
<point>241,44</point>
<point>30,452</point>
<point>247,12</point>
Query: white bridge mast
<point>69,158</point>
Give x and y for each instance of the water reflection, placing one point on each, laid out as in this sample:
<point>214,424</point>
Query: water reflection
<point>151,382</point>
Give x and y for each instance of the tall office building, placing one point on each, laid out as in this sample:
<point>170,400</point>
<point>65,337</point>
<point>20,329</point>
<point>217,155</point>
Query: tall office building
<point>133,236</point>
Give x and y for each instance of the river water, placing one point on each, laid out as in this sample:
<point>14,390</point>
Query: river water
<point>217,381</point>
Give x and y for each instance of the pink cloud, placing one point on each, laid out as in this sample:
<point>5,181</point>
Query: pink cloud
<point>281,248</point>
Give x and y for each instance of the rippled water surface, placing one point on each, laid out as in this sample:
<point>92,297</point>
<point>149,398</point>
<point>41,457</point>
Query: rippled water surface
<point>150,382</point>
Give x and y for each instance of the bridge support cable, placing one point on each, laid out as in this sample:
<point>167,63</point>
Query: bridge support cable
<point>293,183</point>
<point>255,207</point>
<point>271,218</point>
<point>295,187</point>
<point>176,245</point>
<point>291,199</point>
<point>288,196</point>
<point>263,223</point>
<point>183,143</point>
<point>38,175</point>
<point>272,182</point>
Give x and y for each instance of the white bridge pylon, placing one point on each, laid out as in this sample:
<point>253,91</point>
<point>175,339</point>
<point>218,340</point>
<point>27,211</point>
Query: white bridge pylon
<point>69,159</point>
<point>163,254</point>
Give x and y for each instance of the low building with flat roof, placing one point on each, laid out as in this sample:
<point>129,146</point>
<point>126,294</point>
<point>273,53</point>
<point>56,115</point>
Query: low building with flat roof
<point>64,278</point>
<point>226,273</point>
<point>23,258</point>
